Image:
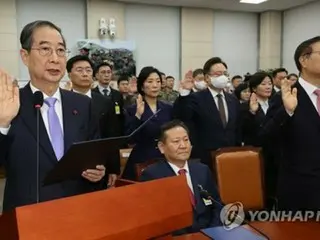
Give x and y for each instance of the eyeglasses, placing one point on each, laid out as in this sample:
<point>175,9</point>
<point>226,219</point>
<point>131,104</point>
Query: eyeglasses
<point>46,51</point>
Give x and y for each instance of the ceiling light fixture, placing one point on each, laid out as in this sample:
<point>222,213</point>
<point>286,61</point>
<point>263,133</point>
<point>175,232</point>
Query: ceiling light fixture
<point>253,1</point>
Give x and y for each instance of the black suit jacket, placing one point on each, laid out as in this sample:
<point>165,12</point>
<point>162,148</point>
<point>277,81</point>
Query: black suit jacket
<point>299,146</point>
<point>251,124</point>
<point>18,150</point>
<point>103,111</point>
<point>203,216</point>
<point>116,98</point>
<point>199,111</point>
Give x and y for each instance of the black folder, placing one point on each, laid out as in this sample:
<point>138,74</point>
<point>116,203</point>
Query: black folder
<point>87,155</point>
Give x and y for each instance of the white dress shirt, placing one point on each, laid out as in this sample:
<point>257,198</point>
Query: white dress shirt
<point>186,167</point>
<point>264,105</point>
<point>276,88</point>
<point>101,88</point>
<point>88,94</point>
<point>215,97</point>
<point>309,88</point>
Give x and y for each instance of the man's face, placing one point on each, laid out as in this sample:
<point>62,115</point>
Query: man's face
<point>46,61</point>
<point>216,70</point>
<point>164,81</point>
<point>278,79</point>
<point>177,146</point>
<point>170,83</point>
<point>236,82</point>
<point>81,75</point>
<point>311,62</point>
<point>104,75</point>
<point>123,86</point>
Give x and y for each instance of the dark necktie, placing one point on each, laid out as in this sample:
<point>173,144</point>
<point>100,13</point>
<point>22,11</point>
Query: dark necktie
<point>222,110</point>
<point>105,92</point>
<point>192,199</point>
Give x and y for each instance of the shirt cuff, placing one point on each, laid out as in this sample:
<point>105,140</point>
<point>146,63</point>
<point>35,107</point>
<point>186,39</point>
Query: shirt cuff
<point>4,131</point>
<point>184,92</point>
<point>290,113</point>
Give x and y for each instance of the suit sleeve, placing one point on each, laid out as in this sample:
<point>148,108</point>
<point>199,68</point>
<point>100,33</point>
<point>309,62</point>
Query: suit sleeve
<point>250,124</point>
<point>111,129</point>
<point>213,191</point>
<point>239,136</point>
<point>275,121</point>
<point>3,148</point>
<point>146,176</point>
<point>132,122</point>
<point>110,121</point>
<point>184,108</point>
<point>93,127</point>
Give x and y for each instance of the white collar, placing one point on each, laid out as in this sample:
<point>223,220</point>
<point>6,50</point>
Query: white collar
<point>101,88</point>
<point>276,88</point>
<point>215,93</point>
<point>308,87</point>
<point>176,169</point>
<point>56,95</point>
<point>88,93</point>
<point>263,103</point>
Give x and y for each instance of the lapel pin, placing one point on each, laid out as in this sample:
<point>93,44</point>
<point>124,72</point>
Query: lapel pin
<point>75,112</point>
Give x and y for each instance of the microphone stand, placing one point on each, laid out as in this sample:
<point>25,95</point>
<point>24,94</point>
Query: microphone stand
<point>38,152</point>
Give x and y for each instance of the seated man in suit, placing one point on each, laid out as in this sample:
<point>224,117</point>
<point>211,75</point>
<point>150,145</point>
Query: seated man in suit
<point>174,143</point>
<point>64,119</point>
<point>80,72</point>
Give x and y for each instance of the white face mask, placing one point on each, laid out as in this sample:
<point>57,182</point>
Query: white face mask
<point>219,82</point>
<point>200,85</point>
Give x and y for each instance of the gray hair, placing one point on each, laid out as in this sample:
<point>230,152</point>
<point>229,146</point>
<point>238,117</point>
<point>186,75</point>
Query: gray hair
<point>26,36</point>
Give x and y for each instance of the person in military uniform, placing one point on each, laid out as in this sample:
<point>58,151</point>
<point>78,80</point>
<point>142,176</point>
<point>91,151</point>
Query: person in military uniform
<point>168,94</point>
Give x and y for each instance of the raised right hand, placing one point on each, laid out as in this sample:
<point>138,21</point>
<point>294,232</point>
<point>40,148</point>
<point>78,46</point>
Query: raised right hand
<point>140,106</point>
<point>9,100</point>
<point>187,83</point>
<point>254,105</point>
<point>289,96</point>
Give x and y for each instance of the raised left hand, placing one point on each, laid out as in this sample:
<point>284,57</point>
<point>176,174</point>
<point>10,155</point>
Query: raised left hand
<point>94,175</point>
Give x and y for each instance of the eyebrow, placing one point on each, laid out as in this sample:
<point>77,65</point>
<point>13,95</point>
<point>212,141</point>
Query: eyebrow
<point>46,42</point>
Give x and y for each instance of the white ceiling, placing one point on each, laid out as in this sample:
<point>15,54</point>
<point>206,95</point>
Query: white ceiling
<point>231,5</point>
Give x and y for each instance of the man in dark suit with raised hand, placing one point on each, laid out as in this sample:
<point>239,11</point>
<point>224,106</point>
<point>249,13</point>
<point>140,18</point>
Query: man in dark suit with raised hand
<point>294,120</point>
<point>64,119</point>
<point>80,72</point>
<point>174,143</point>
<point>212,115</point>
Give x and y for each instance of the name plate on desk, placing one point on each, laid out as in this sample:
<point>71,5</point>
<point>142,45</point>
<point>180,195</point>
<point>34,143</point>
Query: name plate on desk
<point>238,233</point>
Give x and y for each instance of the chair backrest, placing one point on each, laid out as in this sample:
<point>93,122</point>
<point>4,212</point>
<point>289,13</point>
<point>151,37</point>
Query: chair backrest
<point>140,167</point>
<point>240,177</point>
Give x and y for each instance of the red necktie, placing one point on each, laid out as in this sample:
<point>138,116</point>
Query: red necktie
<point>192,199</point>
<point>317,92</point>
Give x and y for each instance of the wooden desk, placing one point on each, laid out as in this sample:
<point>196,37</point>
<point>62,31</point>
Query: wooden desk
<point>276,231</point>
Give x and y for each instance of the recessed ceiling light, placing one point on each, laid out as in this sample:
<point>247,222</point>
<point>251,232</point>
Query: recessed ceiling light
<point>253,1</point>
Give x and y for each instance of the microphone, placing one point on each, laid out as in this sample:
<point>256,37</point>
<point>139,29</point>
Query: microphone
<point>205,195</point>
<point>37,104</point>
